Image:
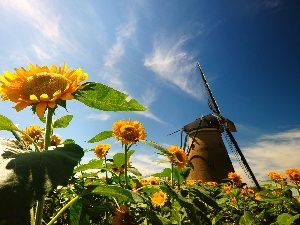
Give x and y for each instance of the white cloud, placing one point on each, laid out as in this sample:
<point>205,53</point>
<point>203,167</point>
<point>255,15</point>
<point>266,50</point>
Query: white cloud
<point>148,165</point>
<point>272,152</point>
<point>110,71</point>
<point>150,115</point>
<point>43,21</point>
<point>174,64</point>
<point>148,97</point>
<point>99,116</point>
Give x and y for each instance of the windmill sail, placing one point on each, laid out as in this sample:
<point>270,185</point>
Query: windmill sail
<point>227,126</point>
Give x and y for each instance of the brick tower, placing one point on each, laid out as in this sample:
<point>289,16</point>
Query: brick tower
<point>207,151</point>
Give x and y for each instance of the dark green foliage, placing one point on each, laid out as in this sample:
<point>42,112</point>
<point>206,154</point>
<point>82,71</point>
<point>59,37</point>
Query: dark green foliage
<point>26,177</point>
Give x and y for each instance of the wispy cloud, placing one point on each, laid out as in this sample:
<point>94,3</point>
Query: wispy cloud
<point>171,62</point>
<point>110,71</point>
<point>148,97</point>
<point>44,23</point>
<point>99,116</point>
<point>273,152</point>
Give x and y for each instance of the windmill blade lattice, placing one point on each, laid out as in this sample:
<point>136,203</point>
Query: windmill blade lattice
<point>212,103</point>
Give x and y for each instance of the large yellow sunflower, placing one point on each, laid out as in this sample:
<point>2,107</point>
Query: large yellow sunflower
<point>128,131</point>
<point>39,86</point>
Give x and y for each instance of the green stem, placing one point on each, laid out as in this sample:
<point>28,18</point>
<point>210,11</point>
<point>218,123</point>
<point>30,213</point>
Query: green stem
<point>63,209</point>
<point>49,130</point>
<point>172,175</point>
<point>37,149</point>
<point>40,203</point>
<point>125,166</point>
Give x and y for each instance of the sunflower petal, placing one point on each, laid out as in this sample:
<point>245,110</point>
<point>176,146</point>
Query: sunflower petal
<point>67,96</point>
<point>51,104</point>
<point>21,105</point>
<point>40,109</point>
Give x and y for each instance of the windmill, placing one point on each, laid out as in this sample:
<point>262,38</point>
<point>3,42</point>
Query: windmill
<point>207,151</point>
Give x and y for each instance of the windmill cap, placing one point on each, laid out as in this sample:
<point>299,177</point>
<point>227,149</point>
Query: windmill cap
<point>209,121</point>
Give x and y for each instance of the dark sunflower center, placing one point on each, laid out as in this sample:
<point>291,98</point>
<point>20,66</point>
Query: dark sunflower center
<point>128,132</point>
<point>44,83</point>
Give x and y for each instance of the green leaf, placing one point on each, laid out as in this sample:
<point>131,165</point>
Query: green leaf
<point>92,164</point>
<point>63,121</point>
<point>29,176</point>
<point>193,212</point>
<point>246,219</point>
<point>101,136</point>
<point>119,158</point>
<point>75,212</point>
<point>134,171</point>
<point>157,146</point>
<point>293,219</point>
<point>114,191</point>
<point>287,219</point>
<point>204,196</point>
<point>7,124</point>
<point>100,96</point>
<point>165,173</point>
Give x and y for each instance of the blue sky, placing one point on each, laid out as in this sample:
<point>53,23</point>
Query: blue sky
<point>249,51</point>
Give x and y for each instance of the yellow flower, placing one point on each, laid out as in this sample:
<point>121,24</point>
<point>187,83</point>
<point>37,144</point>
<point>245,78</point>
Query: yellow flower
<point>34,131</point>
<point>276,176</point>
<point>294,175</point>
<point>123,216</point>
<point>235,178</point>
<point>128,131</point>
<point>180,155</point>
<point>40,87</point>
<point>190,182</point>
<point>55,141</point>
<point>101,150</point>
<point>154,181</point>
<point>258,197</point>
<point>211,183</point>
<point>159,198</point>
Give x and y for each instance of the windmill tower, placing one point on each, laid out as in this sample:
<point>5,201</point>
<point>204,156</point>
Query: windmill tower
<point>207,151</point>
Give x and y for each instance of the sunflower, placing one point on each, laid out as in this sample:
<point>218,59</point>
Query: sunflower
<point>128,131</point>
<point>40,87</point>
<point>55,141</point>
<point>34,131</point>
<point>101,150</point>
<point>276,176</point>
<point>122,216</point>
<point>294,175</point>
<point>159,199</point>
<point>235,178</point>
<point>181,157</point>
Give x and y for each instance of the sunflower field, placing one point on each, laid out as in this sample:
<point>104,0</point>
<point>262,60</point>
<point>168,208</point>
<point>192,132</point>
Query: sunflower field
<point>43,180</point>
